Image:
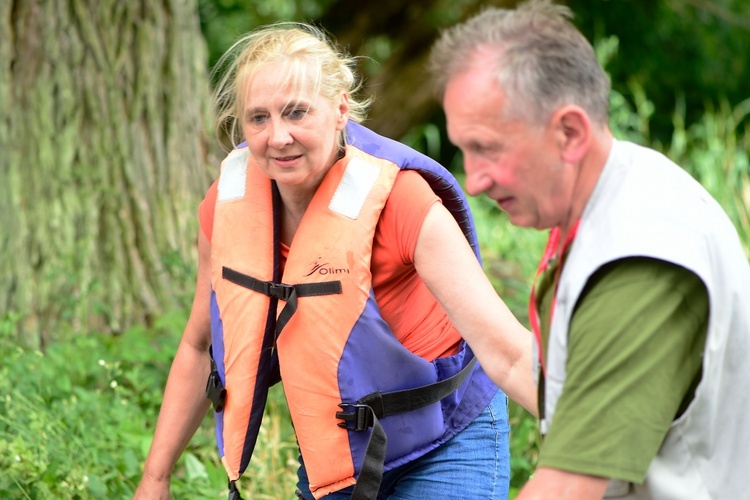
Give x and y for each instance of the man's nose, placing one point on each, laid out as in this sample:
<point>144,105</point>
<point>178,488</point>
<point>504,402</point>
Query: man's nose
<point>476,182</point>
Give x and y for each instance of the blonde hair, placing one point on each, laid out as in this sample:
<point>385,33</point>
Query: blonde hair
<point>296,44</point>
<point>540,60</point>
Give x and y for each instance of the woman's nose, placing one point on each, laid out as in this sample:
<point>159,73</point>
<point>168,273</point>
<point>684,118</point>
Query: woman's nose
<point>280,135</point>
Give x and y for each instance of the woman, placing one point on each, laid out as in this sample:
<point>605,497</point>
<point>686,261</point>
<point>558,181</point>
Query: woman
<point>325,255</point>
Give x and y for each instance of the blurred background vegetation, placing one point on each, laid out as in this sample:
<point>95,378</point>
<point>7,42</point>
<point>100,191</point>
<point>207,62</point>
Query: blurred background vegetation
<point>106,148</point>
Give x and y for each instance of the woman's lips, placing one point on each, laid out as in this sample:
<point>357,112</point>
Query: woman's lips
<point>286,161</point>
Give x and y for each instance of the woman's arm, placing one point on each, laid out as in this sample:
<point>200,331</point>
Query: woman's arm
<point>185,403</point>
<point>445,262</point>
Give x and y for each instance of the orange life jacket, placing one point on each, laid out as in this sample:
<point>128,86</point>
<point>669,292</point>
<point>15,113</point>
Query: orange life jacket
<point>327,335</point>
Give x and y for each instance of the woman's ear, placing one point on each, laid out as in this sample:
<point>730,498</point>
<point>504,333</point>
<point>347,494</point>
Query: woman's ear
<point>574,132</point>
<point>343,111</point>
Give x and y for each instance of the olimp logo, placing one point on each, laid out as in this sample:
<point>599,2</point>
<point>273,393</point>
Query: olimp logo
<point>324,268</point>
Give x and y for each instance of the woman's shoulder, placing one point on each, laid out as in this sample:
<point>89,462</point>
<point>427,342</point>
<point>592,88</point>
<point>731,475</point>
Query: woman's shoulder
<point>404,212</point>
<point>411,183</point>
<point>206,210</point>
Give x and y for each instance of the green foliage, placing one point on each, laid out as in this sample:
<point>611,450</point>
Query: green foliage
<point>224,21</point>
<point>716,151</point>
<point>692,51</point>
<point>525,441</point>
<point>510,254</point>
<point>76,420</point>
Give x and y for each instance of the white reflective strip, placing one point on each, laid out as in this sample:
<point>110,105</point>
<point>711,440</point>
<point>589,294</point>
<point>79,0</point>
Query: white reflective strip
<point>355,185</point>
<point>233,175</point>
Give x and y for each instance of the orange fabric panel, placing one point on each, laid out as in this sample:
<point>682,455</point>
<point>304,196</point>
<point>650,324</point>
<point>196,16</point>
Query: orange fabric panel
<point>315,337</point>
<point>243,312</point>
<point>206,210</point>
<point>333,487</point>
<point>411,311</point>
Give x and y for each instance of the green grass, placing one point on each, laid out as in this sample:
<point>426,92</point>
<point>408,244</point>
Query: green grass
<point>76,421</point>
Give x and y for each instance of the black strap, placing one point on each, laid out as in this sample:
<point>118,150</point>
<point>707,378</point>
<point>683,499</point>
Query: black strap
<point>540,395</point>
<point>371,473</point>
<point>288,293</point>
<point>234,493</point>
<point>366,411</point>
<point>215,390</point>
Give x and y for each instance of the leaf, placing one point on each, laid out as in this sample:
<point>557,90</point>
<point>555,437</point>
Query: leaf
<point>97,487</point>
<point>194,468</point>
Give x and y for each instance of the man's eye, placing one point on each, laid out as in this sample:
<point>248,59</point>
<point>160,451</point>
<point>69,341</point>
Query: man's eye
<point>483,149</point>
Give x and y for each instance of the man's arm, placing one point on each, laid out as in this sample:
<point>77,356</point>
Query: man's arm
<point>548,483</point>
<point>634,354</point>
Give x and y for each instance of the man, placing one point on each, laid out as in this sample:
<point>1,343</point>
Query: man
<point>642,303</point>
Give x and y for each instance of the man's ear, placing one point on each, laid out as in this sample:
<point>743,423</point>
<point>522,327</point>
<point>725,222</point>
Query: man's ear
<point>573,132</point>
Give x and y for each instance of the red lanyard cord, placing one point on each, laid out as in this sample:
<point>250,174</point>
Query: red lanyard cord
<point>548,257</point>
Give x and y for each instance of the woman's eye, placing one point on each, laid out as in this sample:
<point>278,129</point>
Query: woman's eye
<point>257,119</point>
<point>297,113</point>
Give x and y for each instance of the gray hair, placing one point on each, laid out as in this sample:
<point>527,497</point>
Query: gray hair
<point>541,61</point>
<point>293,43</point>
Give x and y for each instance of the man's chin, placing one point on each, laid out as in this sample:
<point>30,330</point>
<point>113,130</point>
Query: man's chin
<point>520,221</point>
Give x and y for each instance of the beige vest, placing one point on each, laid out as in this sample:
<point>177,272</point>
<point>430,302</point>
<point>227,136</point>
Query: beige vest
<point>645,205</point>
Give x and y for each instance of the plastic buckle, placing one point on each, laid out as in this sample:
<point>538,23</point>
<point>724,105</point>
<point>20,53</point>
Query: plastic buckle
<point>280,291</point>
<point>360,419</point>
<point>215,391</point>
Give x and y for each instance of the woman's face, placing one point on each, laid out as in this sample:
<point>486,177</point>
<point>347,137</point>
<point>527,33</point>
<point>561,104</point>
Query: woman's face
<point>291,130</point>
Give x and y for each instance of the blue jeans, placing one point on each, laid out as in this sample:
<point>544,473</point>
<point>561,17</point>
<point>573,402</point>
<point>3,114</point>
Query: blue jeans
<point>474,464</point>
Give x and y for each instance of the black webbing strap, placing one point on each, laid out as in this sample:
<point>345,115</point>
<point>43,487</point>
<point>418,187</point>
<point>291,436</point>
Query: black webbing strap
<point>365,414</point>
<point>371,473</point>
<point>234,493</point>
<point>540,394</point>
<point>288,293</point>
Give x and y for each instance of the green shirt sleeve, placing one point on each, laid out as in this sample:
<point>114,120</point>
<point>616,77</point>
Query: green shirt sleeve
<point>635,352</point>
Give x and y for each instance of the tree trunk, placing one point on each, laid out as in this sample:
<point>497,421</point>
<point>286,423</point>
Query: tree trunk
<point>103,154</point>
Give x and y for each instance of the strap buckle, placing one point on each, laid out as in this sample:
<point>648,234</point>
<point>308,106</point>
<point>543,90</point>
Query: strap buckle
<point>359,419</point>
<point>280,290</point>
<point>215,391</point>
